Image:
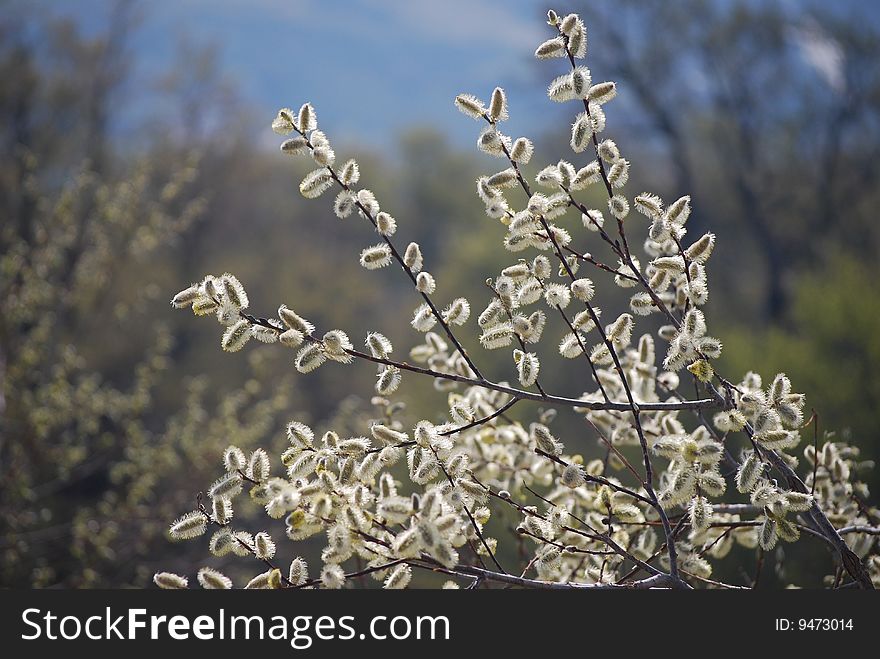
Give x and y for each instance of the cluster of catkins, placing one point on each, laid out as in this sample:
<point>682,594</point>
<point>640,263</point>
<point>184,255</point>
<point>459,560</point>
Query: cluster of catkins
<point>586,524</point>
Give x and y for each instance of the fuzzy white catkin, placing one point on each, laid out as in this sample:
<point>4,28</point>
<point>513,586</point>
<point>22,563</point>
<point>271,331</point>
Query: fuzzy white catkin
<point>336,345</point>
<point>186,297</point>
<point>700,513</point>
<point>350,173</point>
<point>294,321</point>
<point>619,206</point>
<point>586,176</point>
<point>375,257</point>
<point>701,250</point>
<point>541,267</point>
<point>538,202</point>
<point>568,24</point>
<point>425,283</point>
<point>458,312</point>
<point>649,205</point>
<point>423,318</point>
<point>581,132</point>
<point>659,231</point>
<point>549,177</point>
<point>265,334</point>
<point>211,579</point>
<point>597,116</point>
<point>527,367</point>
<point>491,315</point>
<point>620,331</point>
<point>577,40</point>
<point>221,510</point>
<point>521,151</point>
<point>264,581</point>
<point>298,573</point>
<point>580,82</point>
<point>679,211</point>
<point>551,48</point>
<point>378,344</point>
<point>413,257</point>
<point>491,141</point>
<point>544,439</point>
<point>264,547</point>
<point>316,183</point>
<point>470,105</point>
<point>332,576</point>
<point>234,459</point>
<point>344,204</point>
<point>258,465</point>
<point>284,123</point>
<point>568,173</point>
<point>516,272</point>
<point>583,289</point>
<point>487,193</point>
<point>189,526</point>
<point>324,156</point>
<point>461,413</point>
<point>602,92</point>
<point>523,224</point>
<point>399,578</point>
<point>557,295</point>
<point>309,358</point>
<point>169,581</point>
<point>498,105</point>
<point>236,336</point>
<point>229,486</point>
<point>368,203</point>
<point>496,337</point>
<point>498,209</point>
<point>536,322</point>
<point>608,151</point>
<point>233,292</point>
<point>386,224</point>
<point>388,380</point>
<point>573,476</point>
<point>300,435</point>
<point>307,119</point>
<point>560,89</point>
<point>618,174</point>
<point>388,435</point>
<point>221,543</point>
<point>503,179</point>
<point>642,304</point>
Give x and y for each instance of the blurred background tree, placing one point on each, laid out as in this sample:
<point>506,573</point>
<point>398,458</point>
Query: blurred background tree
<point>116,186</point>
<point>768,115</point>
<point>98,434</point>
<point>771,120</point>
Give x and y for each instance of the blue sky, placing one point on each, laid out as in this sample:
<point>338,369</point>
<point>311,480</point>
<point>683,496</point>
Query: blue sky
<point>369,67</point>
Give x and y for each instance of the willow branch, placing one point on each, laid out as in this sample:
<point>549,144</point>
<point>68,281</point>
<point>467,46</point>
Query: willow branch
<point>519,394</point>
<point>427,298</point>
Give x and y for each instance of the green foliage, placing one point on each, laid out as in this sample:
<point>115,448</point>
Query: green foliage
<point>829,344</point>
<point>95,430</point>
